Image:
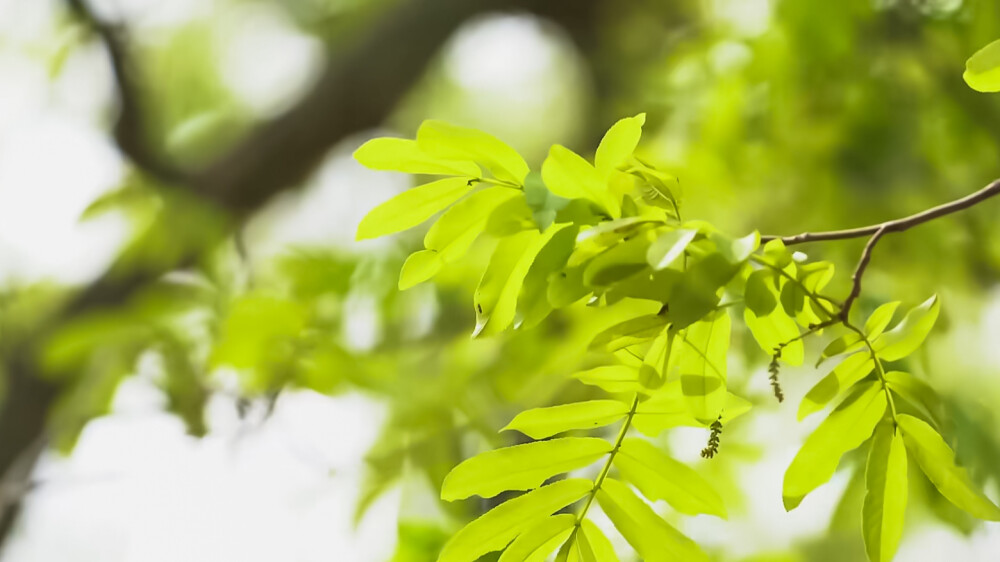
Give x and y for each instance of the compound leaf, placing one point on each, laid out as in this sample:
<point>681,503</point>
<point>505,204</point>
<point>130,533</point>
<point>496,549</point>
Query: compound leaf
<point>520,467</point>
<point>540,423</point>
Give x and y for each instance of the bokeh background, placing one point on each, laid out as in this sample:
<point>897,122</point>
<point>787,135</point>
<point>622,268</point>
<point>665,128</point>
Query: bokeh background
<point>222,373</point>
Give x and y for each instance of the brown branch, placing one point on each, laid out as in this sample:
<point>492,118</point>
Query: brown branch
<point>130,130</point>
<point>859,272</point>
<point>898,225</point>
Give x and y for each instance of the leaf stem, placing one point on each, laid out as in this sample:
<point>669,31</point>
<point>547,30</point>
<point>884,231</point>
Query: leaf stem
<point>879,368</point>
<point>501,183</point>
<point>611,457</point>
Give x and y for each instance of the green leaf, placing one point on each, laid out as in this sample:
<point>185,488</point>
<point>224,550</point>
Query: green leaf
<point>611,378</point>
<point>652,537</point>
<point>842,377</point>
<point>702,365</point>
<point>496,297</point>
<point>847,343</point>
<point>533,303</point>
<point>459,226</point>
<point>653,371</point>
<point>769,323</point>
<point>419,267</point>
<point>982,70</point>
<point>535,544</point>
<point>403,155</point>
<point>697,293</point>
<point>452,235</point>
<point>619,143</point>
<point>849,425</point>
<point>568,175</point>
<point>879,319</point>
<point>915,391</point>
<point>521,467</point>
<point>776,254</point>
<point>607,234</point>
<point>736,250</point>
<point>911,331</point>
<point>811,278</point>
<point>496,528</point>
<point>412,207</point>
<point>510,217</point>
<point>618,262</point>
<point>668,408</point>
<point>630,332</point>
<point>885,498</point>
<point>444,140</point>
<point>660,477</point>
<point>937,461</point>
<point>599,543</point>
<point>670,245</point>
<point>540,423</point>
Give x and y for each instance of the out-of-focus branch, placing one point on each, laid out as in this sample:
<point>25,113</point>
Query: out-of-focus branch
<point>358,90</point>
<point>130,129</point>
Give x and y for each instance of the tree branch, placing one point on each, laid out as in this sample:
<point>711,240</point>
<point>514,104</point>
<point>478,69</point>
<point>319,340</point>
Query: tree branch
<point>859,271</point>
<point>898,225</point>
<point>130,130</point>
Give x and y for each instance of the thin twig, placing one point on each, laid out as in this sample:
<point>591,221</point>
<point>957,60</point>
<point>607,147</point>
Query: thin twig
<point>897,225</point>
<point>859,272</point>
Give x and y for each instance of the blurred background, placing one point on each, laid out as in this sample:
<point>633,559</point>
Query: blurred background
<point>199,363</point>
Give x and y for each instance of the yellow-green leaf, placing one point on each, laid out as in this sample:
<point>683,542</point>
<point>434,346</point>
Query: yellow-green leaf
<point>568,175</point>
<point>652,537</point>
<point>619,143</point>
<point>668,408</point>
<point>669,246</point>
<point>660,477</point>
<point>521,467</point>
<point>496,297</point>
<point>452,235</point>
<point>599,543</point>
<point>459,226</point>
<point>630,332</point>
<point>540,423</point>
<point>702,365</point>
<point>842,377</point>
<point>496,528</point>
<point>412,207</point>
<point>653,371</point>
<point>403,155</point>
<point>419,267</point>
<point>535,544</point>
<point>769,323</point>
<point>916,391</point>
<point>444,140</point>
<point>937,461</point>
<point>879,319</point>
<point>982,70</point>
<point>911,331</point>
<point>885,496</point>
<point>849,425</point>
<point>611,378</point>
